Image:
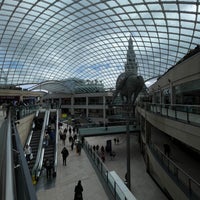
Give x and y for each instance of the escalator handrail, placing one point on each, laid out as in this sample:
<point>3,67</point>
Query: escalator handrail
<point>55,149</point>
<point>3,135</point>
<point>31,133</point>
<point>29,190</point>
<point>38,171</point>
<point>56,144</point>
<point>9,185</point>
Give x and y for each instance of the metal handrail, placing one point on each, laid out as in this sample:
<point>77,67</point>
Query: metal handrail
<point>183,179</point>
<point>3,136</point>
<point>115,188</point>
<point>24,186</point>
<point>56,144</point>
<point>13,166</point>
<point>9,193</point>
<point>28,141</point>
<point>186,113</point>
<point>23,111</point>
<point>45,124</point>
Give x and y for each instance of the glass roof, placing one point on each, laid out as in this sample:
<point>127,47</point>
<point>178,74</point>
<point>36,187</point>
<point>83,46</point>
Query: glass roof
<point>48,40</point>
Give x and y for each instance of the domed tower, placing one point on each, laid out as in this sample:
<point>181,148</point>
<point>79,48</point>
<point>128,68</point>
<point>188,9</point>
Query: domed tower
<point>131,64</point>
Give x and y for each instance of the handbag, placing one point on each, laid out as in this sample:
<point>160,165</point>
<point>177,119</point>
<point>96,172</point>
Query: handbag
<point>31,156</point>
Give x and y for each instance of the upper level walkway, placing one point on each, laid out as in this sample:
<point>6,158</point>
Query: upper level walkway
<point>100,131</point>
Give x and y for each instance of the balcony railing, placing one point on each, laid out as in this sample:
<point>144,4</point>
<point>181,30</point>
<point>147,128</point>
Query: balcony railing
<point>117,189</point>
<point>187,113</point>
<point>185,182</point>
<point>23,111</point>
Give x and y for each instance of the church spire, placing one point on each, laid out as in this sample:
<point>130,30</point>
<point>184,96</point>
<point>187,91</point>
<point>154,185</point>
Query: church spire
<point>131,65</point>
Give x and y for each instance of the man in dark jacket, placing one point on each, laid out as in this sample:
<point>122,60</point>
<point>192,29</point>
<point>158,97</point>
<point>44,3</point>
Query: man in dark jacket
<point>65,154</point>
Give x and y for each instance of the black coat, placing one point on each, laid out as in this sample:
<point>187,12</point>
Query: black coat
<point>64,153</point>
<point>78,192</point>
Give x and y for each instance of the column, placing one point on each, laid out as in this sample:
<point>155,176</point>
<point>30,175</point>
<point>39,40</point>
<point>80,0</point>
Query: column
<point>87,111</point>
<point>104,110</point>
<point>72,105</point>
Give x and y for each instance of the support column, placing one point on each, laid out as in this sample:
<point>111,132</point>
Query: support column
<point>59,103</point>
<point>147,141</point>
<point>104,110</point>
<point>128,175</point>
<point>87,111</point>
<point>171,89</point>
<point>72,105</point>
<point>160,96</point>
<point>147,132</point>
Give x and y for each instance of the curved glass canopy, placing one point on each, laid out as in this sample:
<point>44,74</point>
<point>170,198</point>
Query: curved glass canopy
<point>87,40</point>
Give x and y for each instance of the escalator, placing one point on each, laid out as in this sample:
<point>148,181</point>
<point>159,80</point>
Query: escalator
<point>49,150</point>
<point>35,138</point>
<point>45,122</point>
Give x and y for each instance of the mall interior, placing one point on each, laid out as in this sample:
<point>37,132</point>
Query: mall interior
<point>119,80</point>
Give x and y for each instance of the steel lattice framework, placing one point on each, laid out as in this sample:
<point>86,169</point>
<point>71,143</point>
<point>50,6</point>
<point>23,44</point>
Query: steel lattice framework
<point>57,40</point>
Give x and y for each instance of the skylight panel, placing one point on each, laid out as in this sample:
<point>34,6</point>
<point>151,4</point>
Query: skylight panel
<point>188,7</point>
<point>170,7</point>
<point>154,7</point>
<point>141,7</point>
<point>172,15</point>
<point>186,32</point>
<point>189,17</point>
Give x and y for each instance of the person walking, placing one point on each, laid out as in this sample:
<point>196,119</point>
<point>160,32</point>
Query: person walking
<point>78,191</point>
<point>48,166</point>
<point>46,139</point>
<point>64,135</point>
<point>72,144</point>
<point>65,154</point>
<point>78,148</point>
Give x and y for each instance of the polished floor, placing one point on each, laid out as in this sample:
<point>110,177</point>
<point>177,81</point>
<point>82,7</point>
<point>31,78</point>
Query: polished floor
<point>80,168</point>
<point>77,168</point>
<point>142,185</point>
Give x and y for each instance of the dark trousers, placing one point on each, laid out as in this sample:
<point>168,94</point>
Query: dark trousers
<point>48,172</point>
<point>64,161</point>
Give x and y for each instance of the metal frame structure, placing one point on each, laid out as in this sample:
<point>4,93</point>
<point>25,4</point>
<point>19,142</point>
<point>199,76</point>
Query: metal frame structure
<point>56,40</point>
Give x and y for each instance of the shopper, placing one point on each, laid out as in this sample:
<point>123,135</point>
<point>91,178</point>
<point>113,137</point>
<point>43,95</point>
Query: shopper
<point>78,191</point>
<point>65,154</point>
